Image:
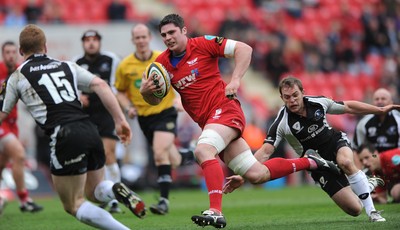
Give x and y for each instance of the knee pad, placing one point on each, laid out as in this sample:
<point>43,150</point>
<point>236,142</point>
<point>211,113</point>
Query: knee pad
<point>242,162</point>
<point>211,137</point>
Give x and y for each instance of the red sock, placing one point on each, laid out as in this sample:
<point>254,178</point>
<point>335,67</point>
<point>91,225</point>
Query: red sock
<point>23,195</point>
<point>280,167</point>
<point>214,177</point>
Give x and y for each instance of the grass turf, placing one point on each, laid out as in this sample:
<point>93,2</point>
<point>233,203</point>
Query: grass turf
<point>256,208</point>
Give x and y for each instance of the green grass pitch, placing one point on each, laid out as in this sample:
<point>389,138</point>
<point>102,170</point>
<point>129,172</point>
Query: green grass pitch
<point>305,207</point>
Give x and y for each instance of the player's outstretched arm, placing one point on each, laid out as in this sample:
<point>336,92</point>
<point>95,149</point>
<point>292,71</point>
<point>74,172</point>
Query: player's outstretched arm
<point>357,107</point>
<point>107,97</point>
<point>263,153</point>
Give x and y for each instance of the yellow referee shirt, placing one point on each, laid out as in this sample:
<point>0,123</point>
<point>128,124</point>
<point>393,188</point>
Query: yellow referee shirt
<point>128,78</point>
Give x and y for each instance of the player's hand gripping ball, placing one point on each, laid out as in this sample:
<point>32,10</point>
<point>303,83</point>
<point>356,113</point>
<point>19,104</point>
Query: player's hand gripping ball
<point>159,70</point>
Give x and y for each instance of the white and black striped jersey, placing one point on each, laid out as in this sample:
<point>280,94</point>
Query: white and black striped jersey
<point>383,135</point>
<point>103,66</point>
<point>49,89</point>
<point>310,132</point>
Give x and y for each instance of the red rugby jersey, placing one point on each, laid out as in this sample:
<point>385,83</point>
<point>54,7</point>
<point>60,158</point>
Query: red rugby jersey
<point>197,77</point>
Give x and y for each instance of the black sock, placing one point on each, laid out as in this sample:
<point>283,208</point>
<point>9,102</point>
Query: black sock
<point>164,180</point>
<point>187,156</point>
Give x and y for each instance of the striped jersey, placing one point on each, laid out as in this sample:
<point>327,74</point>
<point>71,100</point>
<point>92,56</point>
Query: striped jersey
<point>49,89</point>
<point>310,132</point>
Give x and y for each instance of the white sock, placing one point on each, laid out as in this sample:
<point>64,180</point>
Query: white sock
<point>103,191</point>
<point>113,173</point>
<point>97,217</point>
<point>360,186</point>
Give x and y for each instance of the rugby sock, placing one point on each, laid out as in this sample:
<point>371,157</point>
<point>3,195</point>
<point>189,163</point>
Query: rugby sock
<point>187,156</point>
<point>280,167</point>
<point>359,184</point>
<point>97,217</point>
<point>23,196</point>
<point>113,173</point>
<point>103,191</point>
<point>164,180</point>
<point>214,177</point>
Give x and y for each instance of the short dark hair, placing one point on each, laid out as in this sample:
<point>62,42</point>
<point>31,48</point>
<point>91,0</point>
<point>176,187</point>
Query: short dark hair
<point>290,81</point>
<point>7,43</point>
<point>176,19</point>
<point>370,147</point>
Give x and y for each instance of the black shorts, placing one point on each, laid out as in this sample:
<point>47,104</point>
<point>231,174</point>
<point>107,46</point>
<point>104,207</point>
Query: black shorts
<point>329,182</point>
<point>105,124</point>
<point>328,150</point>
<point>76,148</point>
<point>164,121</point>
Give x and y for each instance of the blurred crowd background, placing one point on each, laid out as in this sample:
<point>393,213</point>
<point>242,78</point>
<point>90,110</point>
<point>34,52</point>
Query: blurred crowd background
<point>343,49</point>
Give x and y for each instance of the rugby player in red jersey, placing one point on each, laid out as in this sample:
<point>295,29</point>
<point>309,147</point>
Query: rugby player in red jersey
<point>192,64</point>
<point>11,149</point>
<point>386,165</point>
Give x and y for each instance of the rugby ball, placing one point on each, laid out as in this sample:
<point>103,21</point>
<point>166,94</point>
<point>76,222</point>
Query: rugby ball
<point>159,70</point>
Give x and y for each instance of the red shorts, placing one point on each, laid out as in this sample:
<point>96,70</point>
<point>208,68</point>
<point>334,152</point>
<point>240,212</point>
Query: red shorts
<point>229,114</point>
<point>6,128</point>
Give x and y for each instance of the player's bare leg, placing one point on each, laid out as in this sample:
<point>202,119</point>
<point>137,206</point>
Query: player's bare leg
<point>15,152</point>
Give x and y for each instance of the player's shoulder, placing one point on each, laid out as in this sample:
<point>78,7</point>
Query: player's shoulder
<point>77,58</point>
<point>163,57</point>
<point>110,54</point>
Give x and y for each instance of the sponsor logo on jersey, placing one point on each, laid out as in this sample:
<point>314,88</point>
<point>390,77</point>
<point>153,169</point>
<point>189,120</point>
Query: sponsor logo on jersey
<point>318,114</point>
<point>209,37</point>
<point>137,83</point>
<point>312,128</point>
<point>381,139</point>
<point>219,40</point>
<point>192,62</point>
<point>392,130</point>
<point>187,80</point>
<point>51,65</point>
<point>105,67</point>
<point>297,127</point>
<point>372,131</point>
<point>396,160</point>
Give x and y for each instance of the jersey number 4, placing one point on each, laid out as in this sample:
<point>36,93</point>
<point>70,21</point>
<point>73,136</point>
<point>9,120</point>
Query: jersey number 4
<point>59,88</point>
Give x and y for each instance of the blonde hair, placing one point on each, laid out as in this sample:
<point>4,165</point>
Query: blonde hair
<point>32,40</point>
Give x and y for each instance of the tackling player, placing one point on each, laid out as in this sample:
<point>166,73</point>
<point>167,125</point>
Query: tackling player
<point>302,122</point>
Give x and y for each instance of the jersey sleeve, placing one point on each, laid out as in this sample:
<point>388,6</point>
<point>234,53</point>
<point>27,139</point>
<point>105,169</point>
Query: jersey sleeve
<point>218,46</point>
<point>274,136</point>
<point>115,62</point>
<point>9,93</point>
<point>329,105</point>
<point>83,77</point>
<point>120,83</point>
